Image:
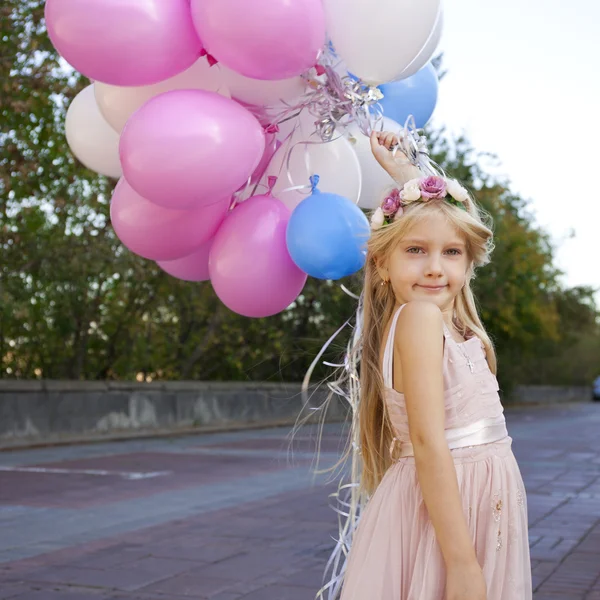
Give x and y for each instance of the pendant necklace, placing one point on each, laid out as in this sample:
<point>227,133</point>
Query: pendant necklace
<point>469,361</point>
<point>467,357</point>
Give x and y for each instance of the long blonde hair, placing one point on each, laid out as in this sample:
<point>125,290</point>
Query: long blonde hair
<point>378,304</point>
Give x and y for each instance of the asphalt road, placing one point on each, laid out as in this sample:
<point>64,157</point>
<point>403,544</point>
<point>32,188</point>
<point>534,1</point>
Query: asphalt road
<point>235,516</point>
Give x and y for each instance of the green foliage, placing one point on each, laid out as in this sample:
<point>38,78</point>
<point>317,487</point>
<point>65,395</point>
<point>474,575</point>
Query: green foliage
<point>573,356</point>
<point>538,327</point>
<point>75,304</point>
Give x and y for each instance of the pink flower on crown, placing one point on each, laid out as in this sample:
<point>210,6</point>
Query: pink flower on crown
<point>391,204</point>
<point>432,187</point>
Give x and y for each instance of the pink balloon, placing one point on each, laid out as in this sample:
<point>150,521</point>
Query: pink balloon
<point>250,268</point>
<point>124,42</point>
<point>159,233</point>
<point>189,268</point>
<point>265,39</point>
<point>185,148</point>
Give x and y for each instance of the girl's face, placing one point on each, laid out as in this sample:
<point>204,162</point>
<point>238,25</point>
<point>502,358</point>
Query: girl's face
<point>430,263</point>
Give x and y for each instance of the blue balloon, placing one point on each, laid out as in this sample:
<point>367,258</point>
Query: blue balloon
<point>327,236</point>
<point>416,95</point>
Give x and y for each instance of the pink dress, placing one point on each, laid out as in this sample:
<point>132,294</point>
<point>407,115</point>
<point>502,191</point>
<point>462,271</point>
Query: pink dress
<point>395,554</point>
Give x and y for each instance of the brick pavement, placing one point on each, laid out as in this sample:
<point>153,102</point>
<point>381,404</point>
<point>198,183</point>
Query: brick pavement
<point>234,516</point>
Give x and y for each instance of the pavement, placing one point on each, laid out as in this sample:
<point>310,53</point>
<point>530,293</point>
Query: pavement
<point>238,515</point>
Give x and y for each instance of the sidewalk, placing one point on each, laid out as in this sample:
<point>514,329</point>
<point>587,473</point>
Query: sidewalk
<point>231,516</point>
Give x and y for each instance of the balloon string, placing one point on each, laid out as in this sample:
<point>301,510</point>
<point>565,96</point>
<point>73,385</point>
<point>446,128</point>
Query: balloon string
<point>348,497</point>
<point>331,99</point>
<point>307,164</point>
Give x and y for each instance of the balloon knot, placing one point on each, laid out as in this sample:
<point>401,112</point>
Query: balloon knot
<point>272,128</point>
<point>271,181</point>
<point>212,61</point>
<point>319,69</point>
<point>314,182</point>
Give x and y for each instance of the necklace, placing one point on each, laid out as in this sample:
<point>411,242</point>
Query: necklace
<point>469,361</point>
<point>461,350</point>
<point>467,357</point>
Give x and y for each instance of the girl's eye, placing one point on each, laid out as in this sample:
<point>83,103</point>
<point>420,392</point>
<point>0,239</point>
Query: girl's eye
<point>417,250</point>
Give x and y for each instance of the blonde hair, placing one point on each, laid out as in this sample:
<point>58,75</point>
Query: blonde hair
<point>376,432</point>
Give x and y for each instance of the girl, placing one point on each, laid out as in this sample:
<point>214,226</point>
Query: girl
<point>447,516</point>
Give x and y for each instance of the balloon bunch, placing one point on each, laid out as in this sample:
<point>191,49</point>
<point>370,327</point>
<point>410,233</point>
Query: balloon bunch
<point>216,116</point>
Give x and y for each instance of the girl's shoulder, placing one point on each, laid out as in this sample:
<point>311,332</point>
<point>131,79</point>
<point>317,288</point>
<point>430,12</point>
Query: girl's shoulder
<point>418,321</point>
<point>420,309</point>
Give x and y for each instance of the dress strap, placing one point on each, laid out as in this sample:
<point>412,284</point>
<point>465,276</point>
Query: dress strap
<point>388,354</point>
<point>447,333</point>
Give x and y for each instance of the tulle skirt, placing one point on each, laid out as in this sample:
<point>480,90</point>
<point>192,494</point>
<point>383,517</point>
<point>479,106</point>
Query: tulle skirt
<point>395,554</point>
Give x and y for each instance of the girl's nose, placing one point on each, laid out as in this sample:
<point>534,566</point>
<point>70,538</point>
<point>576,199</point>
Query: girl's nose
<point>434,265</point>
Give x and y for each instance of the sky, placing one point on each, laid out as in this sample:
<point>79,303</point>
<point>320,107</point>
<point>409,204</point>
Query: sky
<point>523,82</point>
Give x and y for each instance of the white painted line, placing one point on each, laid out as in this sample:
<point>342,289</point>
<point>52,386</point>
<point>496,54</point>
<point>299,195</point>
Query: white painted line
<point>95,472</point>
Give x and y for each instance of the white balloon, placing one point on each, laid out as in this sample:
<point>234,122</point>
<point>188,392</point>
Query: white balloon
<point>90,137</point>
<point>375,180</point>
<point>261,92</point>
<point>334,162</point>
<point>118,103</point>
<point>379,40</point>
<point>428,50</point>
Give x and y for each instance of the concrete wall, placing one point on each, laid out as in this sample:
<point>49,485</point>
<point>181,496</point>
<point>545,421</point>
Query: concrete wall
<point>548,394</point>
<point>55,411</point>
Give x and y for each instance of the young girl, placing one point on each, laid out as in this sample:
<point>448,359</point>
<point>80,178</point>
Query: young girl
<point>446,517</point>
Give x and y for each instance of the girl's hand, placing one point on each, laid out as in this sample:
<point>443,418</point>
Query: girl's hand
<point>382,144</point>
<point>397,165</point>
<point>465,583</point>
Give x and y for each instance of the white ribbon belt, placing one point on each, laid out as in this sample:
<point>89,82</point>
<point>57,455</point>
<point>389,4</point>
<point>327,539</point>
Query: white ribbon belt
<point>485,431</point>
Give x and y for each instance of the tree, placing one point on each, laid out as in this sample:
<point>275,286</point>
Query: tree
<point>63,271</point>
<point>75,304</point>
<point>573,357</point>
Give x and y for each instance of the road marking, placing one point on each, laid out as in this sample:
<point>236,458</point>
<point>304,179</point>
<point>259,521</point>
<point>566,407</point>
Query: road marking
<point>94,472</point>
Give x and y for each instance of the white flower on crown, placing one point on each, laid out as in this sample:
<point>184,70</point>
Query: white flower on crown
<point>377,219</point>
<point>411,191</point>
<point>457,191</point>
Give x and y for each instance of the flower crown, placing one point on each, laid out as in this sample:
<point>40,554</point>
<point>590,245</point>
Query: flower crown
<point>418,190</point>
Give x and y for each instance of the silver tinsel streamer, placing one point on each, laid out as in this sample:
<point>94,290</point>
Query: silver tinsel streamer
<point>335,101</point>
<point>339,100</point>
<point>414,146</point>
<point>348,500</point>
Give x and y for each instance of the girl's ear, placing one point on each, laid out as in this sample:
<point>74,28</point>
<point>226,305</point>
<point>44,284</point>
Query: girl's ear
<point>470,272</point>
<point>381,266</point>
